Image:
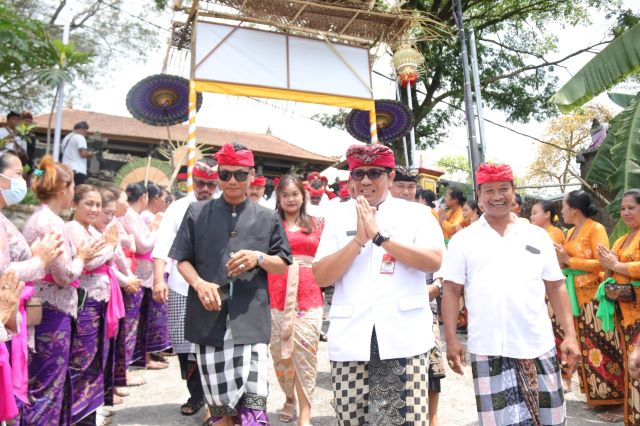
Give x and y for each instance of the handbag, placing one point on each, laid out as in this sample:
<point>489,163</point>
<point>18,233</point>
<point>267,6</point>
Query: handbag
<point>620,292</point>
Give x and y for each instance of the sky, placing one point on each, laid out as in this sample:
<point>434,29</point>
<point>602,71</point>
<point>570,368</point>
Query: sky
<point>292,121</point>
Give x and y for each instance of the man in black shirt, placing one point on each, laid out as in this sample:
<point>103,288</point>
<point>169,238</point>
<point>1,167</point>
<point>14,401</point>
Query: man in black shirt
<point>225,248</point>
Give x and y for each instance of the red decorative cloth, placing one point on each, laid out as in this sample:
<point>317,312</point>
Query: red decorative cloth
<point>228,156</point>
<point>204,172</point>
<point>309,294</point>
<point>331,195</point>
<point>344,192</point>
<point>306,186</point>
<point>276,181</point>
<point>324,179</point>
<point>314,176</point>
<point>182,176</point>
<point>342,184</point>
<point>259,181</point>
<point>316,192</point>
<point>493,173</point>
<point>370,155</point>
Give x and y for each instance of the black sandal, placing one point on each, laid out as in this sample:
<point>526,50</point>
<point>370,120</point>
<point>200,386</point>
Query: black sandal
<point>193,406</point>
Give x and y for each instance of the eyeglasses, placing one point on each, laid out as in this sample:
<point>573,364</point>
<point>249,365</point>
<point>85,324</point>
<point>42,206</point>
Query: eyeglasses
<point>372,174</point>
<point>202,184</point>
<point>240,175</point>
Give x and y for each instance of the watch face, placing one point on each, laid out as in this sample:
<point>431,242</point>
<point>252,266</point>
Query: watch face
<point>384,234</point>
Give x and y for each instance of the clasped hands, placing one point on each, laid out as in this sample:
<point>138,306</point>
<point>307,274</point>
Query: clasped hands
<point>607,258</point>
<point>367,227</point>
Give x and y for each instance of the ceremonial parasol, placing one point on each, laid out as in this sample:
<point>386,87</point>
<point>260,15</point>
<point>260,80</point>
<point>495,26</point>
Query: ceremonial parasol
<point>161,100</point>
<point>393,120</point>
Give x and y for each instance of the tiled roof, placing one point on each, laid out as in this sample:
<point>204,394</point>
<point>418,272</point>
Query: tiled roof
<point>130,129</point>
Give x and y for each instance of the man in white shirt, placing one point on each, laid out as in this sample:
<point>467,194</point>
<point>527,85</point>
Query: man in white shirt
<point>204,186</point>
<point>506,268</point>
<point>257,189</point>
<point>11,140</point>
<point>73,149</point>
<point>377,249</point>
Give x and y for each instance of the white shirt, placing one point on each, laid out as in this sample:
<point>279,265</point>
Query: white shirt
<point>171,221</point>
<point>397,304</point>
<point>70,147</point>
<point>17,140</point>
<point>504,290</point>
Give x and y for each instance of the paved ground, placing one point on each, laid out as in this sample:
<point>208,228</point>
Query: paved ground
<point>158,402</point>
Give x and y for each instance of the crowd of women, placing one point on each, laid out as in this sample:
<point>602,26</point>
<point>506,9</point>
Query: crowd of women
<point>77,311</point>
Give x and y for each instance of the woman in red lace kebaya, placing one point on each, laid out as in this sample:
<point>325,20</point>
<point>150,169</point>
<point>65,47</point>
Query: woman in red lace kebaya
<point>296,304</point>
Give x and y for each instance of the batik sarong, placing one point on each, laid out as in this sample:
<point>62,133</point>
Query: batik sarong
<point>302,366</point>
<point>518,392</point>
<point>436,362</point>
<point>116,372</point>
<point>89,350</point>
<point>152,328</point>
<point>235,378</point>
<point>176,314</point>
<point>632,386</point>
<point>381,392</point>
<point>49,382</point>
<point>602,367</point>
<point>132,304</point>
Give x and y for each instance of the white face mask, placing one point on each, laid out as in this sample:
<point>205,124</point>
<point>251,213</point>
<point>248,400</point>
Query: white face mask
<point>16,192</point>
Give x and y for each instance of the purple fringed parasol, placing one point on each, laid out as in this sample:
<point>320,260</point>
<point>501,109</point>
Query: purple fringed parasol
<point>393,118</point>
<point>161,100</point>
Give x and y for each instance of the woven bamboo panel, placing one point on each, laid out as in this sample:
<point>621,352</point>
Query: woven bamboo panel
<point>349,21</point>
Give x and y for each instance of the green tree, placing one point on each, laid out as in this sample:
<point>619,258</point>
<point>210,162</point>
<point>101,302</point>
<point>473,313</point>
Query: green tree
<point>516,55</point>
<point>98,27</point>
<point>456,166</point>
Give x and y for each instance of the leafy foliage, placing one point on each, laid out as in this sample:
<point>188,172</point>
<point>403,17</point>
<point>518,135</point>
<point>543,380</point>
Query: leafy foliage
<point>613,64</point>
<point>565,136</point>
<point>617,163</point>
<point>99,28</point>
<point>515,58</point>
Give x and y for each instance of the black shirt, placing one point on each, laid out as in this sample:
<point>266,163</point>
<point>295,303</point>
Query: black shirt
<point>209,232</point>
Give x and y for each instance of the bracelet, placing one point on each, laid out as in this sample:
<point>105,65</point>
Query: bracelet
<point>355,240</point>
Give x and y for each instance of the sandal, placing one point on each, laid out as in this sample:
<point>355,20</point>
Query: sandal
<point>136,381</point>
<point>189,408</point>
<point>287,413</point>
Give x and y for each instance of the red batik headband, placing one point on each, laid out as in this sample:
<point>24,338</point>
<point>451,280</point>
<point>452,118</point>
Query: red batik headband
<point>259,181</point>
<point>316,192</point>
<point>493,173</point>
<point>228,156</point>
<point>370,155</point>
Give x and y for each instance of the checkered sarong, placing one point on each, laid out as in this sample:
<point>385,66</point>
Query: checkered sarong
<point>234,376</point>
<point>518,392</point>
<point>381,392</point>
<point>176,313</point>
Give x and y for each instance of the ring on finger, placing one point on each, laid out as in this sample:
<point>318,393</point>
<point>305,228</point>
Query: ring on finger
<point>207,300</point>
<point>6,286</point>
<point>241,266</point>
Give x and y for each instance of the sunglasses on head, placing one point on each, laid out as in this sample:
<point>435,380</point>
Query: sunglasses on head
<point>201,184</point>
<point>372,174</point>
<point>240,175</point>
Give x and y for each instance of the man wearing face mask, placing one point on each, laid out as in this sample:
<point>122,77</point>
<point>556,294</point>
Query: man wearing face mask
<point>205,183</point>
<point>377,250</point>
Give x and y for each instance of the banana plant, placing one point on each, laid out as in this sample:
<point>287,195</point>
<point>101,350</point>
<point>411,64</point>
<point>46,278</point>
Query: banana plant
<point>617,61</point>
<point>616,166</point>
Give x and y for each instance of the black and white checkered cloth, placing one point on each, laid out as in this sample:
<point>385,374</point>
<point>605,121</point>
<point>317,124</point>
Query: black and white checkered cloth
<point>234,375</point>
<point>176,314</point>
<point>501,398</point>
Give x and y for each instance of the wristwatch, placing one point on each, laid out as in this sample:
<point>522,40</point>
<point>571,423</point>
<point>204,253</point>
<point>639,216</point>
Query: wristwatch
<point>380,237</point>
<point>260,258</point>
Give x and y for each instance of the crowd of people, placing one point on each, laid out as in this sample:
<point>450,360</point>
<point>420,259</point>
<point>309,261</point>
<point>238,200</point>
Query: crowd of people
<point>233,282</point>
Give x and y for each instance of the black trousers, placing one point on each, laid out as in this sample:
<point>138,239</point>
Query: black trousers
<point>79,178</point>
<point>190,373</point>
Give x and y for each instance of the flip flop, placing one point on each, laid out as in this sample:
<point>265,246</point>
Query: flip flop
<point>194,407</point>
<point>608,416</point>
